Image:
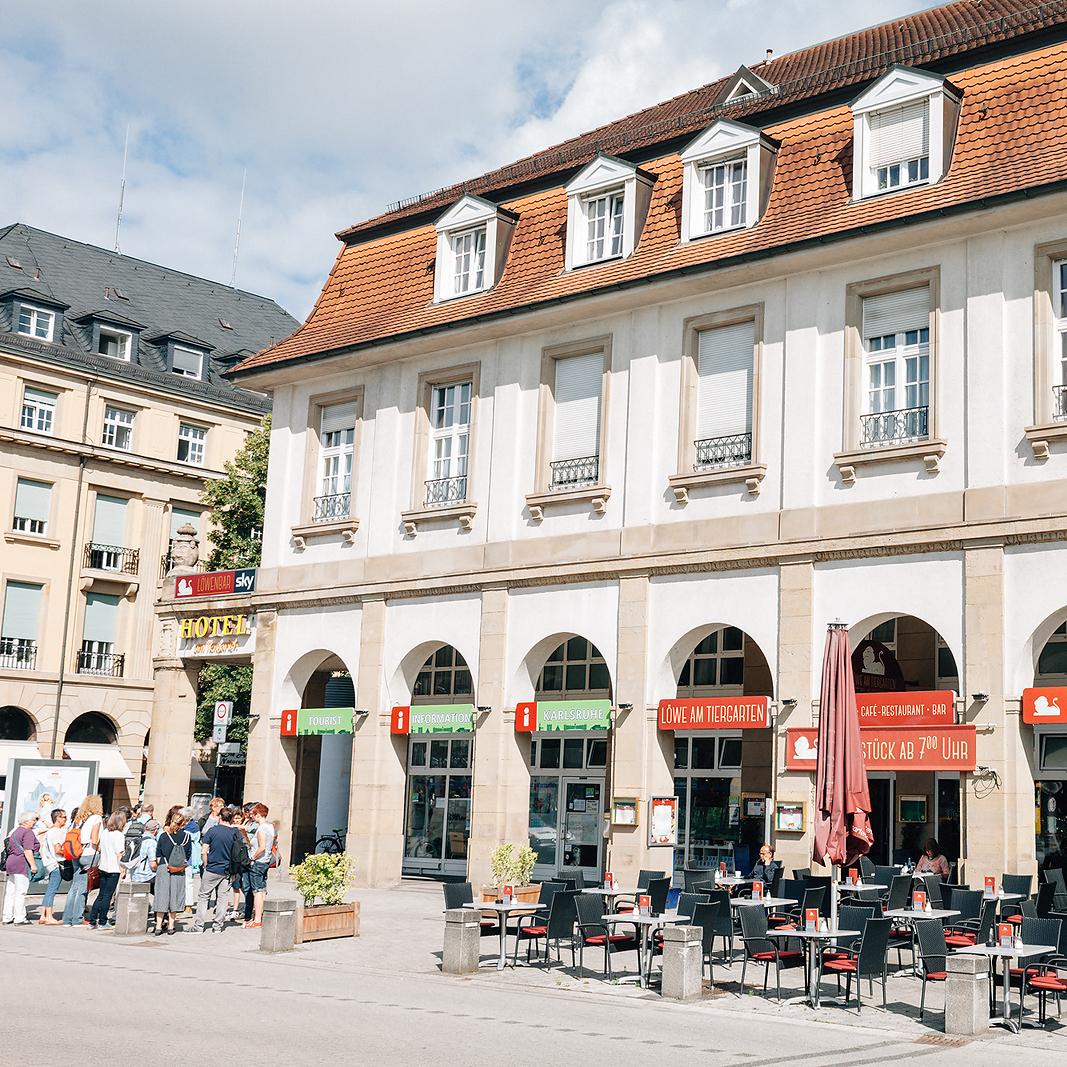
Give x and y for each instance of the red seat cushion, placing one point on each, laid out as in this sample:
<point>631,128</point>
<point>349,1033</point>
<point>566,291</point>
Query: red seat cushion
<point>1016,972</point>
<point>533,931</point>
<point>788,926</point>
<point>835,955</point>
<point>615,939</point>
<point>624,908</point>
<point>900,931</point>
<point>960,940</point>
<point>841,965</point>
<point>1017,919</point>
<point>937,976</point>
<point>762,956</point>
<point>1049,983</point>
<point>488,924</point>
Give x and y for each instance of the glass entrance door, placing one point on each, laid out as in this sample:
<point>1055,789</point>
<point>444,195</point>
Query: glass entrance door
<point>581,827</point>
<point>438,815</point>
<point>882,822</point>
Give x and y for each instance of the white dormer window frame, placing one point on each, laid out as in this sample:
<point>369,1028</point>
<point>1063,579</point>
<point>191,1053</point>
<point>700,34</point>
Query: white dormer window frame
<point>727,173</point>
<point>36,322</point>
<point>607,202</point>
<point>904,131</point>
<point>472,246</point>
<point>122,339</point>
<point>193,354</point>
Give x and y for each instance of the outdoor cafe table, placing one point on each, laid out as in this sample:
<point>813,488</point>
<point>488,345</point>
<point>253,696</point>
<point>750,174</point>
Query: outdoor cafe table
<point>812,939</point>
<point>645,924</point>
<point>766,902</point>
<point>911,917</point>
<point>730,881</point>
<point>503,911</point>
<point>1007,952</point>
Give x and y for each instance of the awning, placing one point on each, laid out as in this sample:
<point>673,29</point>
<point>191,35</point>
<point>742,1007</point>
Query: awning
<point>10,750</point>
<point>112,765</point>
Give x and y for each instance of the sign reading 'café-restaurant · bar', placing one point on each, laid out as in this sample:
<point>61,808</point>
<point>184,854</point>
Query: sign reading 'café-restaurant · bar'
<point>714,713</point>
<point>532,716</point>
<point>931,708</point>
<point>433,719</point>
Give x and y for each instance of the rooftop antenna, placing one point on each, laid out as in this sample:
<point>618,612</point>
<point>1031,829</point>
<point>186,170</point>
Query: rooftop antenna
<point>237,238</point>
<point>122,188</point>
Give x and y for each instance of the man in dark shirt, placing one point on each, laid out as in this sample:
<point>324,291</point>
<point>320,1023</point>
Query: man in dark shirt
<point>217,849</point>
<point>766,868</point>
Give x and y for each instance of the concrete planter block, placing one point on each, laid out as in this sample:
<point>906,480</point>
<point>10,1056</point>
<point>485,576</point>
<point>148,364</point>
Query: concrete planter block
<point>279,925</point>
<point>683,962</point>
<point>463,938</point>
<point>132,902</point>
<point>966,995</point>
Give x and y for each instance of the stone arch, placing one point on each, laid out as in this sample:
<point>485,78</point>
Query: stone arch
<point>16,724</point>
<point>665,681</point>
<point>859,631</point>
<point>1024,669</point>
<point>528,671</point>
<point>400,683</point>
<point>92,728</point>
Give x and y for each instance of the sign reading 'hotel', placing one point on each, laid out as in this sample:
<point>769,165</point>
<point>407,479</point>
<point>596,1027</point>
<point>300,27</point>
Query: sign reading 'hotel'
<point>214,636</point>
<point>714,713</point>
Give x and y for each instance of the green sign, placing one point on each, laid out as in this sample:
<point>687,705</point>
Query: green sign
<point>574,715</point>
<point>442,719</point>
<point>309,722</point>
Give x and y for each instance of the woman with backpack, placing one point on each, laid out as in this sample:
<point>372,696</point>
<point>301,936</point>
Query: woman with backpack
<point>173,849</point>
<point>80,847</point>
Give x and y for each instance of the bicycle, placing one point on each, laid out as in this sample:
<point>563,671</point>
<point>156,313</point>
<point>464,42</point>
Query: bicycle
<point>332,844</point>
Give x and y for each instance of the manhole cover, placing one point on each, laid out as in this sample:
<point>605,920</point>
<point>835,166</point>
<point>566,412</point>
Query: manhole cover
<point>941,1041</point>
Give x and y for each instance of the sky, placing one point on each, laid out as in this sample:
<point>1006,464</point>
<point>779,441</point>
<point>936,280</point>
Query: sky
<point>333,108</point>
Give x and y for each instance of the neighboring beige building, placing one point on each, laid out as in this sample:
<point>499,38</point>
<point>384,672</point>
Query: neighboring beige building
<point>113,415</point>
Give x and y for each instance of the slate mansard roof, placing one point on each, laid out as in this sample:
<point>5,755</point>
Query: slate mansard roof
<point>1006,58</point>
<point>89,283</point>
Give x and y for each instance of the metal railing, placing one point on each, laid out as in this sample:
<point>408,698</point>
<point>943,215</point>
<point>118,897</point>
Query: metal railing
<point>569,473</point>
<point>892,427</point>
<point>331,507</point>
<point>107,664</point>
<point>730,451</point>
<point>446,491</point>
<point>1059,401</point>
<point>100,557</point>
<point>18,653</point>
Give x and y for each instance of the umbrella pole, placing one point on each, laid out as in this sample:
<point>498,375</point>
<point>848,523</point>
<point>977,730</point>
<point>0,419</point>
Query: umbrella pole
<point>834,888</point>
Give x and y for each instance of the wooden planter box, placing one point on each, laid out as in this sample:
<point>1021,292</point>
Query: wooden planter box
<point>318,922</point>
<point>526,894</point>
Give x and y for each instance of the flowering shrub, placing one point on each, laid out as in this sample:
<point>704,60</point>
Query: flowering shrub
<point>324,877</point>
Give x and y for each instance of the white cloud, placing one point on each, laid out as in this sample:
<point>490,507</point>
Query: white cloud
<point>335,109</point>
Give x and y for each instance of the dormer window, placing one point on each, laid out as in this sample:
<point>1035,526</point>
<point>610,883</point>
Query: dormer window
<point>114,343</point>
<point>743,84</point>
<point>607,204</point>
<point>472,247</point>
<point>727,180</point>
<point>187,362</point>
<point>905,126</point>
<point>36,322</point>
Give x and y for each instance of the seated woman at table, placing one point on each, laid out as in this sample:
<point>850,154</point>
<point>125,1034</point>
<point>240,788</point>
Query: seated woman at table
<point>766,867</point>
<point>931,861</point>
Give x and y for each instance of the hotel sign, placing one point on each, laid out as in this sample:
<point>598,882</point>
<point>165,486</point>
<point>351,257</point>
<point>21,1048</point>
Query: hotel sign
<point>433,719</point>
<point>215,583</point>
<point>894,748</point>
<point>714,713</point>
<point>215,636</point>
<point>934,708</point>
<point>1043,706</point>
<point>551,715</point>
<point>312,722</point>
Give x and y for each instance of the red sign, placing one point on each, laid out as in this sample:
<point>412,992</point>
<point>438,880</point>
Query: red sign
<point>714,713</point>
<point>934,708</point>
<point>644,905</point>
<point>400,720</point>
<point>288,726</point>
<point>1045,705</point>
<point>757,890</point>
<point>811,918</point>
<point>215,583</point>
<point>895,748</point>
<point>875,668</point>
<point>853,875</point>
<point>918,900</point>
<point>990,885</point>
<point>1005,934</point>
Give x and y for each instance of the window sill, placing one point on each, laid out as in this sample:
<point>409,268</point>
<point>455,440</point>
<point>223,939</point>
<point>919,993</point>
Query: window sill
<point>347,528</point>
<point>1044,435</point>
<point>929,451</point>
<point>23,538</point>
<point>595,495</point>
<point>752,474</point>
<point>463,513</point>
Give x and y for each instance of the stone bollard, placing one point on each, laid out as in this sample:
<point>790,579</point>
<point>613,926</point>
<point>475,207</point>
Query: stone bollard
<point>463,937</point>
<point>683,962</point>
<point>967,995</point>
<point>131,908</point>
<point>279,925</point>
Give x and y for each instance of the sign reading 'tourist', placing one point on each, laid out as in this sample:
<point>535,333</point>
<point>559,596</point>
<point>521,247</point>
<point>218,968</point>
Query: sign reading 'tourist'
<point>310,722</point>
<point>894,748</point>
<point>714,713</point>
<point>433,719</point>
<point>550,715</point>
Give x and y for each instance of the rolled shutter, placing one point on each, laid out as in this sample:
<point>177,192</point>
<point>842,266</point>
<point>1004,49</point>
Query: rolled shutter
<point>338,417</point>
<point>40,396</point>
<point>576,425</point>
<point>907,309</point>
<point>188,361</point>
<point>101,617</point>
<point>109,521</point>
<point>33,500</point>
<point>22,602</point>
<point>180,516</point>
<point>724,383</point>
<point>899,134</point>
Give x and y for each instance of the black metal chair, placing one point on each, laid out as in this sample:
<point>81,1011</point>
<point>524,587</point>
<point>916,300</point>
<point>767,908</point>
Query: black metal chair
<point>933,955</point>
<point>1045,900</point>
<point>643,878</point>
<point>868,961</point>
<point>885,875</point>
<point>964,932</point>
<point>899,895</point>
<point>544,899</point>
<point>1051,976</point>
<point>1059,884</point>
<point>814,897</point>
<point>791,889</point>
<point>687,902</point>
<point>761,949</point>
<point>694,876</point>
<point>557,926</point>
<point>1034,930</point>
<point>457,894</point>
<point>932,885</point>
<point>816,881</point>
<point>868,869</point>
<point>849,917</point>
<point>968,902</point>
<point>722,922</point>
<point>574,875</point>
<point>591,929</point>
<point>1015,883</point>
<point>705,916</point>
<point>801,873</point>
<point>658,890</point>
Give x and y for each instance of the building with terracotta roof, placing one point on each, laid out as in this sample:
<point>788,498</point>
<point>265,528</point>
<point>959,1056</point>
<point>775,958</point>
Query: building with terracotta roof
<point>573,464</point>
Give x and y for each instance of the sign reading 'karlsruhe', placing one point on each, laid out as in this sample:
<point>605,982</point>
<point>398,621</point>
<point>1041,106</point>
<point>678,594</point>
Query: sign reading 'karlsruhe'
<point>550,715</point>
<point>311,722</point>
<point>934,708</point>
<point>714,713</point>
<point>215,583</point>
<point>1046,705</point>
<point>214,636</point>
<point>894,748</point>
<point>433,719</point>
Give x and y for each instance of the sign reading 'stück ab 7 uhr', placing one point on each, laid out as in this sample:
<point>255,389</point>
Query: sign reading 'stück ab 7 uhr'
<point>894,748</point>
<point>714,713</point>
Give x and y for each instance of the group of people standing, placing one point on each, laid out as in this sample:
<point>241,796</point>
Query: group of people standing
<point>228,852</point>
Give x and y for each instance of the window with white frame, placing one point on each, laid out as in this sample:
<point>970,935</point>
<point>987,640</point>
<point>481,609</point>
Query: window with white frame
<point>188,362</point>
<point>114,343</point>
<point>38,410</point>
<point>607,203</point>
<point>576,420</point>
<point>33,502</point>
<point>900,145</point>
<point>472,243</point>
<point>191,441</point>
<point>36,322</point>
<point>896,347</point>
<point>18,631</point>
<point>337,443</point>
<point>468,261</point>
<point>724,365</point>
<point>1059,353</point>
<point>725,194</point>
<point>604,225</point>
<point>118,428</point>
<point>450,425</point>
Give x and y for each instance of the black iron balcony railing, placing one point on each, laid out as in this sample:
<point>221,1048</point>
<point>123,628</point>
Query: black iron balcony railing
<point>446,491</point>
<point>18,653</point>
<point>331,507</point>
<point>893,427</point>
<point>570,473</point>
<point>731,451</point>
<point>1059,401</point>
<point>107,664</point>
<point>100,557</point>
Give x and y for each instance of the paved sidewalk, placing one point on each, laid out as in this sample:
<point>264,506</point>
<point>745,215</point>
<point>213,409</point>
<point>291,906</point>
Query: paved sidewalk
<point>381,998</point>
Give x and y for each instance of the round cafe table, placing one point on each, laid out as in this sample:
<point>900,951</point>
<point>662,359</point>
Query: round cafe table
<point>812,939</point>
<point>502,912</point>
<point>645,925</point>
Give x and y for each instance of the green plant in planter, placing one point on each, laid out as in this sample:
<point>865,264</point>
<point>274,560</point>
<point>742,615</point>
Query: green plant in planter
<point>322,877</point>
<point>509,867</point>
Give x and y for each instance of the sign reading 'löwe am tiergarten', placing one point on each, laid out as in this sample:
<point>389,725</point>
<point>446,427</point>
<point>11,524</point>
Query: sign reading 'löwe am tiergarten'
<point>714,713</point>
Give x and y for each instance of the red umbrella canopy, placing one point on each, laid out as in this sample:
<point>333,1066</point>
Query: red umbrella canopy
<point>842,799</point>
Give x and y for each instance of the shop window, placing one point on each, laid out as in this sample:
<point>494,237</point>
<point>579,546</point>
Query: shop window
<point>459,757</point>
<point>681,753</point>
<point>418,753</point>
<point>885,633</point>
<point>1053,752</point>
<point>597,753</point>
<point>703,753</point>
<point>1053,658</point>
<point>730,752</point>
<point>573,753</point>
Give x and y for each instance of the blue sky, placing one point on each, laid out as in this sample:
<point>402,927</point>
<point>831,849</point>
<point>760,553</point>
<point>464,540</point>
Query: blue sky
<point>335,107</point>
